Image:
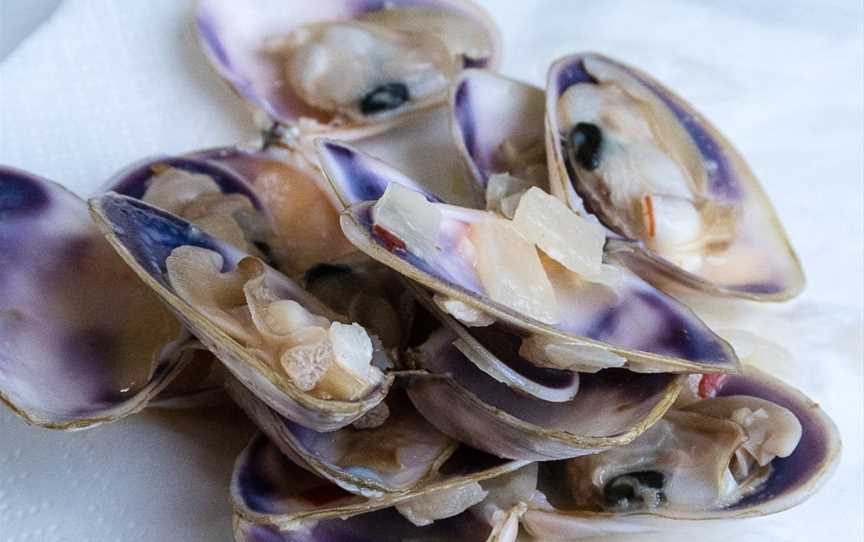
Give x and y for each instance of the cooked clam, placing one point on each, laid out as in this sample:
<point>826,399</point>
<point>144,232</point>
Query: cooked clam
<point>579,312</point>
<point>288,186</point>
<point>278,340</point>
<point>268,488</point>
<point>757,447</point>
<point>657,173</point>
<point>352,66</point>
<point>392,449</point>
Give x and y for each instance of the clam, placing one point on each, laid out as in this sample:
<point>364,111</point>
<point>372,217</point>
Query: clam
<point>366,292</point>
<point>660,175</point>
<point>220,200</point>
<point>756,446</point>
<point>84,341</point>
<point>612,407</point>
<point>275,498</point>
<point>483,265</point>
<point>498,127</point>
<point>496,352</point>
<point>288,186</point>
<point>288,348</point>
<point>381,526</point>
<point>392,449</point>
<point>348,66</point>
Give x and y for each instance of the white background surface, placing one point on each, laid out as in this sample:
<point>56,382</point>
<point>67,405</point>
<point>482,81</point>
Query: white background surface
<point>103,83</point>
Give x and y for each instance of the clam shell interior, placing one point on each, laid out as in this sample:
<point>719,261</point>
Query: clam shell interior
<point>645,326</point>
<point>234,39</point>
<point>612,407</point>
<point>758,263</point>
<point>145,236</point>
<point>84,340</point>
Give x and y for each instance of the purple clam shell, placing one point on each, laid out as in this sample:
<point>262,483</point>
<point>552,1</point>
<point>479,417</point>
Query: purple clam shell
<point>356,178</point>
<point>145,236</point>
<point>134,180</point>
<point>268,487</point>
<point>65,299</point>
<point>488,109</point>
<point>233,49</point>
<point>495,350</point>
<point>380,526</point>
<point>324,453</point>
<point>798,476</point>
<point>677,338</point>
<point>612,407</point>
<point>792,481</point>
<point>729,181</point>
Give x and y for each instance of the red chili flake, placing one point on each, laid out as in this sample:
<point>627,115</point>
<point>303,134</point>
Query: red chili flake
<point>325,494</point>
<point>709,384</point>
<point>648,212</point>
<point>391,242</point>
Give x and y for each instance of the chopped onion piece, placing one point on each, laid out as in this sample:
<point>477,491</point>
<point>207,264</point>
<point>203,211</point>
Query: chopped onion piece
<point>566,237</point>
<point>466,314</point>
<point>503,193</point>
<point>352,347</point>
<point>408,216</point>
<point>510,270</point>
<point>575,357</point>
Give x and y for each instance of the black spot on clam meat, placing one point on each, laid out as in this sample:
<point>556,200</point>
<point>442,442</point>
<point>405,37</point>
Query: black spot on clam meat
<point>585,140</point>
<point>384,98</point>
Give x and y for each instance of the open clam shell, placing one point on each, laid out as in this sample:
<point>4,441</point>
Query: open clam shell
<point>200,384</point>
<point>145,236</point>
<point>288,187</point>
<point>84,340</point>
<point>135,179</point>
<point>393,457</point>
<point>498,124</point>
<point>611,409</point>
<point>380,526</point>
<point>268,488</point>
<point>496,352</point>
<point>742,249</point>
<point>650,330</point>
<point>791,481</point>
<point>251,47</point>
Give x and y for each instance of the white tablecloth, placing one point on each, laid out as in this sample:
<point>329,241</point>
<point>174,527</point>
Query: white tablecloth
<point>103,83</point>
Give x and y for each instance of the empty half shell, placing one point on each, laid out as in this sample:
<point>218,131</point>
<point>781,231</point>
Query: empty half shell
<point>84,340</point>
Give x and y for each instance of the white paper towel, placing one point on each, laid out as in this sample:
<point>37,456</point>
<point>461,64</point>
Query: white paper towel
<point>104,83</point>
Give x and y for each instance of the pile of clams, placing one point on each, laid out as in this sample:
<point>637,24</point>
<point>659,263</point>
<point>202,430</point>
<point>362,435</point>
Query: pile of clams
<point>444,296</point>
